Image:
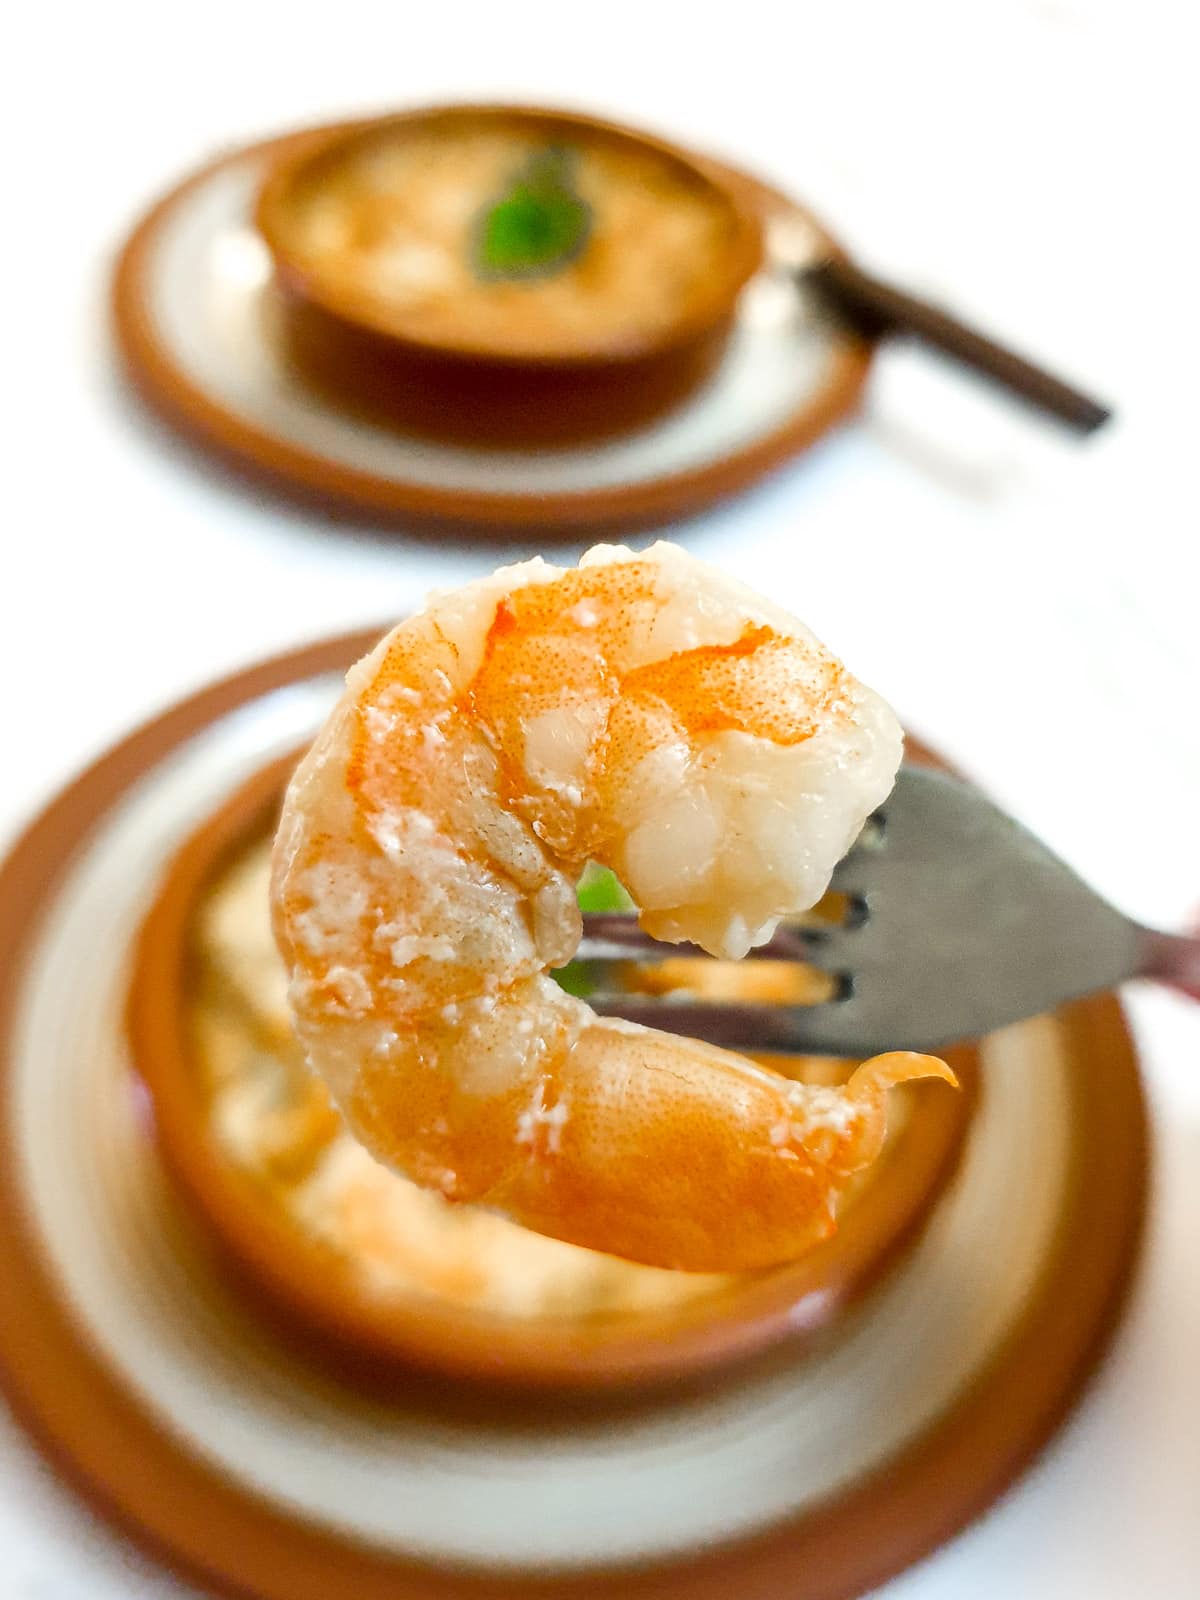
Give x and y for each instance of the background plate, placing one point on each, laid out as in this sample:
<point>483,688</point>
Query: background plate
<point>198,325</point>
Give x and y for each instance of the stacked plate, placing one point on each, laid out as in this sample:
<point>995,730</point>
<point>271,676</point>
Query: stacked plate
<point>219,1433</point>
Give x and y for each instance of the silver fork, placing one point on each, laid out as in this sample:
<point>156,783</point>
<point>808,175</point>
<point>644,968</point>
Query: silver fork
<point>957,922</point>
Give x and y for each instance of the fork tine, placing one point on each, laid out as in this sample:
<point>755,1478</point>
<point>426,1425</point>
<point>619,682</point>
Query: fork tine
<point>617,932</point>
<point>856,871</point>
<point>851,876</point>
<point>872,838</point>
<point>777,982</point>
<point>734,1024</point>
<point>830,1028</point>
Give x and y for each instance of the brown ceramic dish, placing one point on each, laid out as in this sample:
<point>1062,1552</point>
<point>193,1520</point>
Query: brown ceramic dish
<point>654,1326</point>
<point>374,232</point>
<point>263,380</point>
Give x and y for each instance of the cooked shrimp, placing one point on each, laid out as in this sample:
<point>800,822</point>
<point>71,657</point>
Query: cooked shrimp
<point>644,712</point>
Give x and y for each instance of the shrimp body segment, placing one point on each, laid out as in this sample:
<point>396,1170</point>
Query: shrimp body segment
<point>641,711</point>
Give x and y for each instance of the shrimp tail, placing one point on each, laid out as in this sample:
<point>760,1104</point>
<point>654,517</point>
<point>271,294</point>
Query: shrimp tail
<point>868,1088</point>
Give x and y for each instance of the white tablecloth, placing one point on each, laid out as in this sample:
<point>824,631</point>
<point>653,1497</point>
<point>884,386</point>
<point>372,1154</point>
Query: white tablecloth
<point>1028,602</point>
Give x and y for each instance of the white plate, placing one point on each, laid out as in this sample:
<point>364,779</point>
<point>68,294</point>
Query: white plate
<point>550,1489</point>
<point>199,321</point>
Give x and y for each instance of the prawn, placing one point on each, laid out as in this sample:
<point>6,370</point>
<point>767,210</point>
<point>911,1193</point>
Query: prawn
<point>645,712</point>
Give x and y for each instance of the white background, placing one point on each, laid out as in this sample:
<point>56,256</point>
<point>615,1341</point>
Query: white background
<point>1028,602</point>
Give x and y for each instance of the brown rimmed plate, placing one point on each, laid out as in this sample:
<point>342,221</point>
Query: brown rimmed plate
<point>250,1469</point>
<point>204,336</point>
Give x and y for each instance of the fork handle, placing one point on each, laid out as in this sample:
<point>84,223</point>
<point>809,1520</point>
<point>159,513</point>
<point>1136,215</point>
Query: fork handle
<point>1173,959</point>
<point>876,308</point>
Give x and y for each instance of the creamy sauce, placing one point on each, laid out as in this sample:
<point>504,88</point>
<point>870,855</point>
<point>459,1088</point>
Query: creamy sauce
<point>397,221</point>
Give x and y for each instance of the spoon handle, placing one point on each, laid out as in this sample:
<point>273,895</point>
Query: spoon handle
<point>877,308</point>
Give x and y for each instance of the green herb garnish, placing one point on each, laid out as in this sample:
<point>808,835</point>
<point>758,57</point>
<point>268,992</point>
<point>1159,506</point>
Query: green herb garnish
<point>601,890</point>
<point>539,225</point>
